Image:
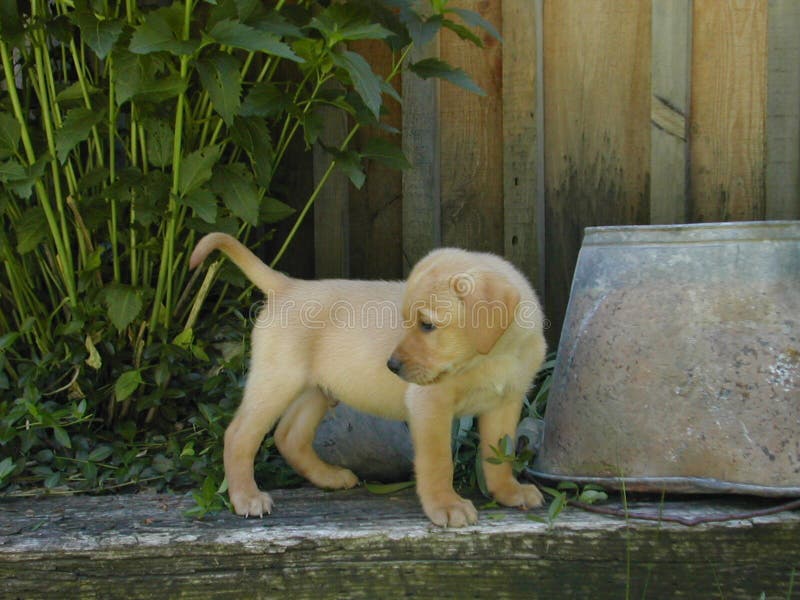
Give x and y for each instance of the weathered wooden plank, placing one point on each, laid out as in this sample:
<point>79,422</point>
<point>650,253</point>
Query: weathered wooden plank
<point>472,140</point>
<point>376,210</point>
<point>521,156</point>
<point>422,182</point>
<point>331,208</point>
<point>728,110</point>
<point>597,132</point>
<point>783,110</point>
<point>356,545</point>
<point>670,86</point>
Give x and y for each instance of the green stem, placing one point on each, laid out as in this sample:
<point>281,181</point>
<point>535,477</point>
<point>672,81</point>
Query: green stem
<point>41,192</point>
<point>313,197</point>
<point>164,286</point>
<point>112,170</point>
<point>330,168</point>
<point>87,101</point>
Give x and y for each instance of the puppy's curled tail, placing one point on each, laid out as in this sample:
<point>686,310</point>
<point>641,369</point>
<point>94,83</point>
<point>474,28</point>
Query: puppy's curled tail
<point>253,267</point>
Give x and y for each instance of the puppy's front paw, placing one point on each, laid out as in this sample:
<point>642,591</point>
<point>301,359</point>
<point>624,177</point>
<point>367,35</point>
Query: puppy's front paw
<point>451,511</point>
<point>519,494</point>
<point>252,504</point>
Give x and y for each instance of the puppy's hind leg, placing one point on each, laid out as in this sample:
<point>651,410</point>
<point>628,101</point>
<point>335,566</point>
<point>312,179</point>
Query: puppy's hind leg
<point>265,398</point>
<point>295,435</point>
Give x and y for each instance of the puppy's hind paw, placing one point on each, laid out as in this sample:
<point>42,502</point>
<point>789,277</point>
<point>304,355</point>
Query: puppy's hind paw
<point>458,513</point>
<point>252,505</point>
<point>332,478</point>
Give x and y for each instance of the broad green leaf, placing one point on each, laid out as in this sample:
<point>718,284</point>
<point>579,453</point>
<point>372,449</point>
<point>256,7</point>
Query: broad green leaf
<point>347,22</point>
<point>99,35</point>
<point>592,496</point>
<point>536,518</point>
<point>253,135</point>
<point>7,340</point>
<point>93,360</point>
<point>160,139</point>
<point>350,164</point>
<point>238,191</point>
<point>312,126</point>
<point>11,171</point>
<point>474,19</point>
<point>265,99</point>
<point>75,92</point>
<point>124,304</point>
<point>464,33</point>
<point>421,30</point>
<point>230,32</point>
<point>31,229</point>
<point>388,89</point>
<point>138,77</point>
<point>203,203</point>
<point>76,128</point>
<point>6,468</point>
<point>11,28</point>
<point>556,506</point>
<point>100,453</point>
<point>386,153</point>
<point>366,83</point>
<point>184,338</point>
<point>21,179</point>
<point>62,437</point>
<point>246,8</point>
<point>272,210</point>
<point>54,480</point>
<point>196,168</point>
<point>127,384</point>
<point>273,22</point>
<point>149,197</point>
<point>388,488</point>
<point>433,67</point>
<point>9,135</point>
<point>220,76</point>
<point>160,31</point>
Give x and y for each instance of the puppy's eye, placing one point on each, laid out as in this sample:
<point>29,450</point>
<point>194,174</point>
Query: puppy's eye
<point>425,326</point>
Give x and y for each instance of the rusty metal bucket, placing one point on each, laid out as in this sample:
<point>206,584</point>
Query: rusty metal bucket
<point>679,362</point>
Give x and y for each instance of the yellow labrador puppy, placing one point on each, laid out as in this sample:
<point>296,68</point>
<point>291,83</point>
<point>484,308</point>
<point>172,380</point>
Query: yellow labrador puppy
<point>462,336</point>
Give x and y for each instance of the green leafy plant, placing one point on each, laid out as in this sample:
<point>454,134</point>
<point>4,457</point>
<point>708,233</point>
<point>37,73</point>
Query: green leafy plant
<point>564,493</point>
<point>126,131</point>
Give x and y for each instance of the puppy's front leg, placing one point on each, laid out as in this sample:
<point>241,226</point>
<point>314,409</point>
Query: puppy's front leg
<point>430,421</point>
<point>500,481</point>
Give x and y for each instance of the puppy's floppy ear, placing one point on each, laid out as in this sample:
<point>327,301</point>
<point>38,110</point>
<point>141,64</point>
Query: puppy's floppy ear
<point>489,302</point>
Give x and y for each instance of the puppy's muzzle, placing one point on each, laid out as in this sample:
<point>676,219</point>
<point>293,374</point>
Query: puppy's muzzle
<point>394,364</point>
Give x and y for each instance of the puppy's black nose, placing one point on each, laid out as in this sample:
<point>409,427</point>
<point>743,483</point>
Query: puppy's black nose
<point>394,365</point>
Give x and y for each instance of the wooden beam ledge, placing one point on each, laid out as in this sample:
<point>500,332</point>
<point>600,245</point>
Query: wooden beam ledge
<point>357,545</point>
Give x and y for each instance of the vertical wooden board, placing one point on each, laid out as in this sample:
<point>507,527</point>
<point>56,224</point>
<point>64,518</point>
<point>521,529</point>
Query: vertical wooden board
<point>472,139</point>
<point>597,134</point>
<point>669,106</point>
<point>520,139</point>
<point>728,110</point>
<point>376,209</point>
<point>331,208</point>
<point>293,186</point>
<point>421,208</point>
<point>783,110</point>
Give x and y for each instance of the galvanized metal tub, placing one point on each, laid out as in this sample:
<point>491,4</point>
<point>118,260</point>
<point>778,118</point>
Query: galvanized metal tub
<point>679,362</point>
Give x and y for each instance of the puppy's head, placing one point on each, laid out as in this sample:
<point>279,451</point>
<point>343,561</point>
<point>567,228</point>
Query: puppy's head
<point>455,308</point>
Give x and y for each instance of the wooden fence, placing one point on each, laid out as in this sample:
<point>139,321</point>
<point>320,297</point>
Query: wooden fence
<point>597,112</point>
